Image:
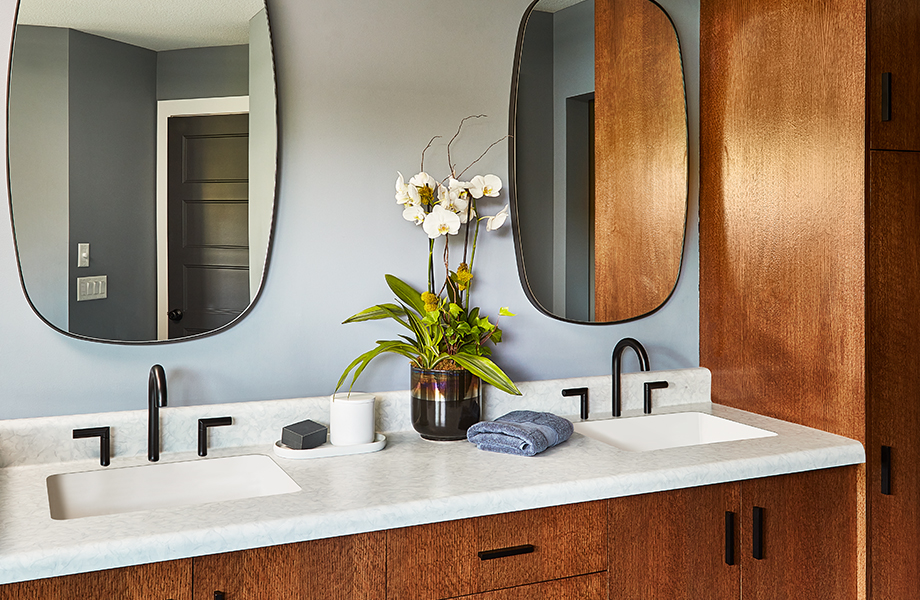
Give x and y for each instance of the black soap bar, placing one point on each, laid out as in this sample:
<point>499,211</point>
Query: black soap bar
<point>304,435</point>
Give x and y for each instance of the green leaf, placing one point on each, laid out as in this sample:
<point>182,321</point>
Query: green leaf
<point>503,311</point>
<point>363,360</point>
<point>406,293</point>
<point>454,310</point>
<point>488,371</point>
<point>380,311</point>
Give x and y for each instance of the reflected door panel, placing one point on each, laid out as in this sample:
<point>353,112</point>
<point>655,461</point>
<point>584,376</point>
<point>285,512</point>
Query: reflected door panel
<point>599,158</point>
<point>208,221</point>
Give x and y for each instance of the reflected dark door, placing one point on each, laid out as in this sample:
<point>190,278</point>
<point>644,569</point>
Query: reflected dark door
<point>207,221</point>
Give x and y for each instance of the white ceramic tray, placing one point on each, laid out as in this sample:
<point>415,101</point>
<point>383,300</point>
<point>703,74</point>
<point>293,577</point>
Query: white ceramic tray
<point>328,449</point>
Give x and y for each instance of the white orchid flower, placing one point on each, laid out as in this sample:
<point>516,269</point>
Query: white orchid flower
<point>423,179</point>
<point>490,185</point>
<point>444,196</point>
<point>414,213</point>
<point>459,189</point>
<point>402,190</point>
<point>493,223</point>
<point>441,221</point>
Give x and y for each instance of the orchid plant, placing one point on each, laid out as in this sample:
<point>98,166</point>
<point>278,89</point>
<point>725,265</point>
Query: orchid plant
<point>443,331</point>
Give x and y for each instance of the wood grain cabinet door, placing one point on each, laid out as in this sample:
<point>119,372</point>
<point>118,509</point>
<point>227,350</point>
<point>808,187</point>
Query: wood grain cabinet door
<point>585,587</point>
<point>676,545</point>
<point>894,80</point>
<point>158,581</point>
<point>894,348</point>
<point>807,536</point>
<point>470,556</point>
<point>342,568</point>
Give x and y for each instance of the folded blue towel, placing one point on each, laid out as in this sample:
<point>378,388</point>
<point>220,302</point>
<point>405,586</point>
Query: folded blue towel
<point>522,432</point>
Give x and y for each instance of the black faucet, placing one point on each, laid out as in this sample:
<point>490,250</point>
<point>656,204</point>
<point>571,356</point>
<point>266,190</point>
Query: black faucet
<point>617,356</point>
<point>156,397</point>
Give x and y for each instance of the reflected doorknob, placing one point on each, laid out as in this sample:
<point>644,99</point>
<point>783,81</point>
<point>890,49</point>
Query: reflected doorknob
<point>175,314</point>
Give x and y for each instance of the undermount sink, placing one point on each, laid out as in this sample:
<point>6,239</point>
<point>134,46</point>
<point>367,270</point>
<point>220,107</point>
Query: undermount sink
<point>165,485</point>
<point>655,432</point>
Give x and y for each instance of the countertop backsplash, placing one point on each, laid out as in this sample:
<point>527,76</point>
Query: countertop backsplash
<point>50,439</point>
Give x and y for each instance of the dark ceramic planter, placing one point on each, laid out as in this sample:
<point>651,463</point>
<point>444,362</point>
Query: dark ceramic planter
<point>444,403</point>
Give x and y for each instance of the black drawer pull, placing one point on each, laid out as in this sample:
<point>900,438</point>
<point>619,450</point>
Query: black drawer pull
<point>758,533</point>
<point>886,96</point>
<point>502,552</point>
<point>729,537</point>
<point>219,596</point>
<point>886,470</point>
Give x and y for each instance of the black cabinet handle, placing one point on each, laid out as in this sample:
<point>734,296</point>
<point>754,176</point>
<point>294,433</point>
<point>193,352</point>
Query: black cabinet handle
<point>757,535</point>
<point>502,552</point>
<point>886,470</point>
<point>729,537</point>
<point>175,314</point>
<point>219,596</point>
<point>583,392</point>
<point>886,96</point>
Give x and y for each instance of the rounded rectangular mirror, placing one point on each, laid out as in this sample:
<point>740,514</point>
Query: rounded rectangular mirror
<point>599,173</point>
<point>142,141</point>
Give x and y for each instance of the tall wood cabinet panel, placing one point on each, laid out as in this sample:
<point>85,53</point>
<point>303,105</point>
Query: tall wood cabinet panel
<point>157,581</point>
<point>894,359</point>
<point>809,525</point>
<point>839,351</point>
<point>782,153</point>
<point>341,568</point>
<point>672,545</point>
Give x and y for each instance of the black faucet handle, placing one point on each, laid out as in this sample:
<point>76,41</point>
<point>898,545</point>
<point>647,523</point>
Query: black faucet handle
<point>583,392</point>
<point>104,437</point>
<point>647,388</point>
<point>203,425</point>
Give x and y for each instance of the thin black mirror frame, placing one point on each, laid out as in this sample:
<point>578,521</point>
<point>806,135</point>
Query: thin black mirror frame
<point>271,229</point>
<point>512,177</point>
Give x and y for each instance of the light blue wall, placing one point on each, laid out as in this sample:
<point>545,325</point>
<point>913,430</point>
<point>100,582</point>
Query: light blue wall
<point>363,86</point>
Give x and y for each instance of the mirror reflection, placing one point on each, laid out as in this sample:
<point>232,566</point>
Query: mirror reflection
<point>599,158</point>
<point>142,152</point>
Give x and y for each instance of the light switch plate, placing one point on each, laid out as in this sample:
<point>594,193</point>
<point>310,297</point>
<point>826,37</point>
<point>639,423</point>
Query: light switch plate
<point>92,288</point>
<point>82,255</point>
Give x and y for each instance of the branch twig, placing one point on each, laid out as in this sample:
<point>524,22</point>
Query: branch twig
<point>450,165</point>
<point>492,145</point>
<point>422,166</point>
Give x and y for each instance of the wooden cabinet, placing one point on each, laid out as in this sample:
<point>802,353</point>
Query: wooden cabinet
<point>894,44</point>
<point>585,587</point>
<point>470,556</point>
<point>158,581</point>
<point>672,545</point>
<point>894,360</point>
<point>342,568</point>
<point>808,528</point>
<point>810,238</point>
<point>698,543</point>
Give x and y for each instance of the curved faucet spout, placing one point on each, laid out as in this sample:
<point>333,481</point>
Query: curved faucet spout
<point>617,366</point>
<point>156,397</point>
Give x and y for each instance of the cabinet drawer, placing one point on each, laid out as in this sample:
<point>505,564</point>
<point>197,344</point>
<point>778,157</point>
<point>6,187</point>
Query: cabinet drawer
<point>458,558</point>
<point>585,587</point>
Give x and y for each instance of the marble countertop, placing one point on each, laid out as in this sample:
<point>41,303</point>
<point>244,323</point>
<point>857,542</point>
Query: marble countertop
<point>411,482</point>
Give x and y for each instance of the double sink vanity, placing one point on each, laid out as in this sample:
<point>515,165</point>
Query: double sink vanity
<point>419,519</point>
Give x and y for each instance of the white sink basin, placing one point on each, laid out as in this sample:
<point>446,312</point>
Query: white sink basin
<point>165,485</point>
<point>654,432</point>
